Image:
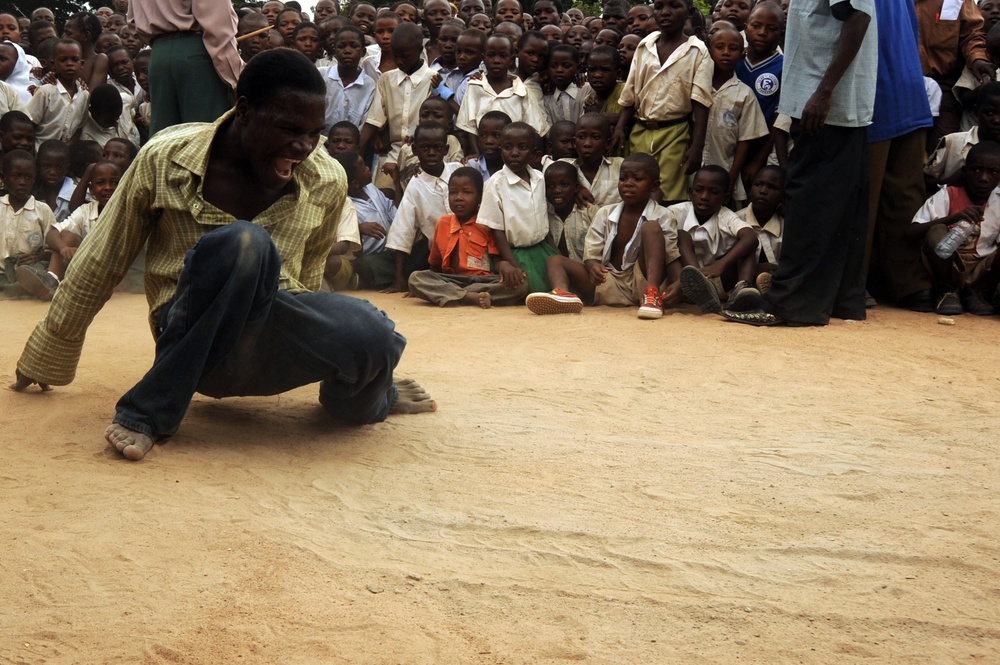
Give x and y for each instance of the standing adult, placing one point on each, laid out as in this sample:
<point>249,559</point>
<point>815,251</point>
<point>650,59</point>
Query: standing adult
<point>828,89</point>
<point>240,216</point>
<point>195,65</point>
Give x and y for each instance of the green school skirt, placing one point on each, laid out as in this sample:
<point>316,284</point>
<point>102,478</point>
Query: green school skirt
<point>532,260</point>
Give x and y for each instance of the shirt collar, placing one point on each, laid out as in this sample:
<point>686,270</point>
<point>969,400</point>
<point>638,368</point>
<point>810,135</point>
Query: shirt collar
<point>513,178</point>
<point>647,212</point>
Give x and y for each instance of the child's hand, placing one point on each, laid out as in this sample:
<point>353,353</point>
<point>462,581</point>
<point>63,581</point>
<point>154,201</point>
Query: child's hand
<point>371,230</point>
<point>591,104</point>
<point>692,159</point>
<point>673,294</point>
<point>617,140</point>
<point>396,287</point>
<point>391,170</point>
<point>510,276</point>
<point>50,78</point>
<point>598,273</point>
<point>714,270</point>
<point>972,214</point>
<point>584,197</point>
<point>82,85</point>
<point>435,80</point>
<point>67,252</point>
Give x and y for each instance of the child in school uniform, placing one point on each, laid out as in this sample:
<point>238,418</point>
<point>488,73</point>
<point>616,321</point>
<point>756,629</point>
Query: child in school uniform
<point>489,160</point>
<point>735,116</point>
<point>54,186</point>
<point>767,196</point>
<point>514,207</point>
<point>560,142</point>
<point>24,222</point>
<point>718,249</point>
<point>949,157</point>
<point>64,237</point>
<point>598,173</point>
<point>668,92</point>
<point>461,253</point>
<point>603,67</point>
<point>398,96</point>
<point>567,100</point>
<point>107,118</point>
<point>630,247</point>
<point>375,265</point>
<point>349,90</point>
<point>424,202</point>
<point>760,70</point>
<point>568,220</point>
<point>434,109</point>
<point>58,109</point>
<point>967,280</point>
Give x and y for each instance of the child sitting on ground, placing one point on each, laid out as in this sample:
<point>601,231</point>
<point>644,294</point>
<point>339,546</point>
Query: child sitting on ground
<point>54,186</point>
<point>24,222</point>
<point>424,202</point>
<point>514,207</point>
<point>718,249</point>
<point>598,173</point>
<point>374,266</point>
<point>65,237</point>
<point>568,220</point>
<point>767,196</point>
<point>460,254</point>
<point>628,248</point>
<point>489,160</point>
<point>967,279</point>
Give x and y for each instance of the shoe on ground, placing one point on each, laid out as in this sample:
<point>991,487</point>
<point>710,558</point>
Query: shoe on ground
<point>758,317</point>
<point>556,301</point>
<point>699,289</point>
<point>870,300</point>
<point>743,298</point>
<point>949,305</point>
<point>764,282</point>
<point>651,306</point>
<point>974,303</point>
<point>40,284</point>
<point>921,301</point>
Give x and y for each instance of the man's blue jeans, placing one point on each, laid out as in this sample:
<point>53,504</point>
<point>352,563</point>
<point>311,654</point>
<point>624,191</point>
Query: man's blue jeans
<point>230,331</point>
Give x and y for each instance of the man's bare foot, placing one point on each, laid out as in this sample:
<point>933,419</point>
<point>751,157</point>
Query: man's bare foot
<point>484,299</point>
<point>412,398</point>
<point>133,445</point>
<point>23,382</point>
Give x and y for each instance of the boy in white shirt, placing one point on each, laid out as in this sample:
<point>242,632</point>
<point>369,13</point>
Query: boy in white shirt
<point>767,196</point>
<point>107,118</point>
<point>58,109</point>
<point>23,222</point>
<point>718,249</point>
<point>568,100</point>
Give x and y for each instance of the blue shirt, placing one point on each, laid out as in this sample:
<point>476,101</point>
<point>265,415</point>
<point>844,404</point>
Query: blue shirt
<point>901,104</point>
<point>764,79</point>
<point>377,208</point>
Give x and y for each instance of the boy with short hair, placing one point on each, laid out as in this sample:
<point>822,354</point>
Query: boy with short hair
<point>24,221</point>
<point>568,220</point>
<point>514,207</point>
<point>718,249</point>
<point>106,118</point>
<point>567,100</point>
<point>17,132</point>
<point>349,90</point>
<point>54,186</point>
<point>398,96</point>
<point>560,143</point>
<point>374,266</point>
<point>967,279</point>
<point>603,68</point>
<point>949,157</point>
<point>64,237</point>
<point>629,247</point>
<point>489,160</point>
<point>499,91</point>
<point>598,173</point>
<point>343,136</point>
<point>468,61</point>
<point>121,152</point>
<point>58,109</point>
<point>424,202</point>
<point>767,196</point>
<point>460,258</point>
<point>434,109</point>
<point>668,90</point>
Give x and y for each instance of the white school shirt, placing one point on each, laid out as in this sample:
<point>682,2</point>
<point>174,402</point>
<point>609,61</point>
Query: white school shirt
<point>350,102</point>
<point>601,237</point>
<point>10,100</point>
<point>950,154</point>
<point>734,116</point>
<point>397,101</point>
<point>567,104</point>
<point>939,204</point>
<point>81,220</point>
<point>713,238</point>
<point>605,184</point>
<point>424,202</point>
<point>23,231</point>
<point>480,98</point>
<point>55,114</point>
<point>516,206</point>
<point>769,234</point>
<point>123,129</point>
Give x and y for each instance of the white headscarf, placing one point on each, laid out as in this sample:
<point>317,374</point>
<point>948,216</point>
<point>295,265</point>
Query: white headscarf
<point>20,78</point>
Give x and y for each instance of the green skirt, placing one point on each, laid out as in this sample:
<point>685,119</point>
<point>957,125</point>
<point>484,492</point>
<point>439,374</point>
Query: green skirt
<point>532,260</point>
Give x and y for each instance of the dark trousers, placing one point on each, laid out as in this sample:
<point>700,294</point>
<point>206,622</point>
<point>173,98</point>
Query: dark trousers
<point>826,218</point>
<point>183,83</point>
<point>230,331</point>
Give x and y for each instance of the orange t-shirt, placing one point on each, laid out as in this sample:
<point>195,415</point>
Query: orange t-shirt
<point>473,242</point>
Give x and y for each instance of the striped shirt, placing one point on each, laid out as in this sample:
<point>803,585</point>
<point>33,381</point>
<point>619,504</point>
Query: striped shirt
<point>160,203</point>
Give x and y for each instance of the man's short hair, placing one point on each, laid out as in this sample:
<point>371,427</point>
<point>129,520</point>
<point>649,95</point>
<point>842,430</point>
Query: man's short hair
<point>478,34</point>
<point>609,51</point>
<point>565,168</point>
<point>991,89</point>
<point>130,147</point>
<point>349,30</point>
<point>983,149</point>
<point>277,71</point>
<point>106,97</point>
<point>407,33</point>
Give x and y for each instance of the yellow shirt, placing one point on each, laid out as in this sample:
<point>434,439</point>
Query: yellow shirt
<point>665,92</point>
<point>160,203</point>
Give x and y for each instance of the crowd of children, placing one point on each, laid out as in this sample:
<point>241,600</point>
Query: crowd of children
<point>499,153</point>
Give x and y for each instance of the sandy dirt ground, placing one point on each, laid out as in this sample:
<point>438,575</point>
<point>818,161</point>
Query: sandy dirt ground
<point>593,489</point>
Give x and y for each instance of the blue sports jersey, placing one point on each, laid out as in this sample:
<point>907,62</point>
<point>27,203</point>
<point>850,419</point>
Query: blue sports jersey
<point>764,79</point>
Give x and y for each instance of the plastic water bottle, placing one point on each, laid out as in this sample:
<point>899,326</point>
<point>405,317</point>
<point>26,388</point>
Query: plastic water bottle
<point>954,239</point>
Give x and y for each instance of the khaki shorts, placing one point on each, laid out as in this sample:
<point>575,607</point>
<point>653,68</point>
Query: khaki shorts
<point>621,288</point>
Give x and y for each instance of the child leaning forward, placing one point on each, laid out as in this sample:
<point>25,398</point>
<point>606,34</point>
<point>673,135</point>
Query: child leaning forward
<point>460,255</point>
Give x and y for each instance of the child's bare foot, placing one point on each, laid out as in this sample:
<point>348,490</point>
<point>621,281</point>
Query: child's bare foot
<point>133,445</point>
<point>412,398</point>
<point>484,299</point>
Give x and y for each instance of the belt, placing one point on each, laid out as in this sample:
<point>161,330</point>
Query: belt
<point>175,35</point>
<point>662,124</point>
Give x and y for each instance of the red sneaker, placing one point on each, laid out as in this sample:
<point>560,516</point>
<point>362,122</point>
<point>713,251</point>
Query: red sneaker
<point>651,306</point>
<point>555,301</point>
